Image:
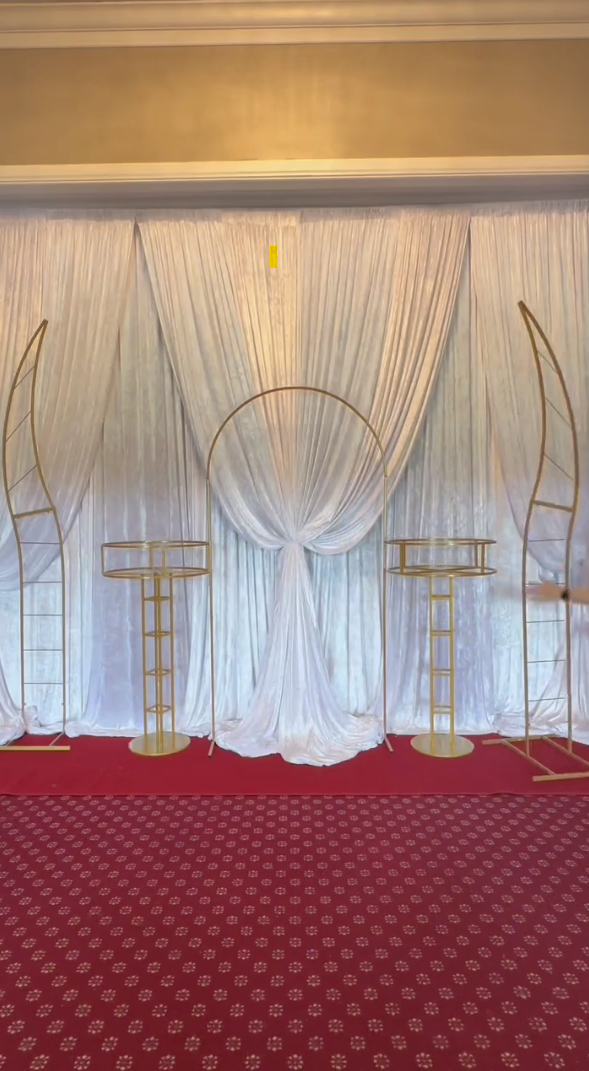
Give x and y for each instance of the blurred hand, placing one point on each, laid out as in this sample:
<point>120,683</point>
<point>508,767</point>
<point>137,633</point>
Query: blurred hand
<point>545,592</point>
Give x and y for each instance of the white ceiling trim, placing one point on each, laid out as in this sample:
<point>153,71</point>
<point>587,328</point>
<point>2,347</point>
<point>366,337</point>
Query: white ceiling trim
<point>267,184</point>
<point>128,23</point>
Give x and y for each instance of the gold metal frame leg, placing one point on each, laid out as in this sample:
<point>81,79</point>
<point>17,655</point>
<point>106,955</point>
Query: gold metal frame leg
<point>547,774</point>
<point>53,746</point>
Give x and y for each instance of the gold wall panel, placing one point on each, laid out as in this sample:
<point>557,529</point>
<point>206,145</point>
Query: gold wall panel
<point>146,105</point>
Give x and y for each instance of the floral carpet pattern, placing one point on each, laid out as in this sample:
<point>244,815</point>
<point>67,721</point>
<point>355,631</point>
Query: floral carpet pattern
<point>293,934</point>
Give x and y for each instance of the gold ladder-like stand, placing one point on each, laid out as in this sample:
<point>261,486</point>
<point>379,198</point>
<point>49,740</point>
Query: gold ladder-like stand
<point>34,526</point>
<point>441,745</point>
<point>158,571</point>
<point>557,416</point>
<point>435,741</point>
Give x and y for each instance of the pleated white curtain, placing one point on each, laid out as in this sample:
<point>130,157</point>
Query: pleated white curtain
<point>296,471</point>
<point>146,470</point>
<point>538,254</point>
<point>71,270</point>
<point>147,479</point>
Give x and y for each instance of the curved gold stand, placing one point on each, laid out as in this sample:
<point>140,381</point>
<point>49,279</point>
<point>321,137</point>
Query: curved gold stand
<point>557,412</point>
<point>35,523</point>
<point>157,576</point>
<point>441,745</point>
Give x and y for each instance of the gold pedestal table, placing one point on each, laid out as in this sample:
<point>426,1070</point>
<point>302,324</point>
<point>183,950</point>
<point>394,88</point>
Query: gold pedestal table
<point>447,560</point>
<point>157,565</point>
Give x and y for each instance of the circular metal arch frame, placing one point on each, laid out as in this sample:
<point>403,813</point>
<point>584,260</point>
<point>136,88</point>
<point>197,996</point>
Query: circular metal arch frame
<point>348,405</point>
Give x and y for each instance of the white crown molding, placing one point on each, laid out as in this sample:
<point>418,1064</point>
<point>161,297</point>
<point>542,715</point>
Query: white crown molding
<point>298,183</point>
<point>129,23</point>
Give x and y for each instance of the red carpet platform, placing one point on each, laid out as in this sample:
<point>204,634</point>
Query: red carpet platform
<point>105,767</point>
<point>354,934</point>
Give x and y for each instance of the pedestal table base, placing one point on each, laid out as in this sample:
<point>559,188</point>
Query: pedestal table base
<point>442,745</point>
<point>155,744</point>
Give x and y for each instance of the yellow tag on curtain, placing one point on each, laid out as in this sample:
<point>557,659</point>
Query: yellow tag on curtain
<point>273,256</point>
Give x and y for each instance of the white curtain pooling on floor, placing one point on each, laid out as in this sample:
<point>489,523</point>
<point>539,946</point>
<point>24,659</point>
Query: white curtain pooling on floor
<point>298,471</point>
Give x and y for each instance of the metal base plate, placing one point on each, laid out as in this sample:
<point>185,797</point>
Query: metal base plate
<point>441,745</point>
<point>154,745</point>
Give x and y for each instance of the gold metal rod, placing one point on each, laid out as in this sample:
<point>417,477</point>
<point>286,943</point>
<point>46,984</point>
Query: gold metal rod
<point>564,750</point>
<point>144,649</point>
<point>522,754</point>
<point>552,505</point>
<point>27,374</point>
<point>42,650</point>
<point>53,746</point>
<point>33,513</point>
<point>39,543</point>
<point>211,615</point>
<point>14,485</point>
<point>557,411</point>
<point>511,740</point>
<point>576,775</point>
<point>451,662</point>
<point>547,539</point>
<point>44,615</point>
<point>171,645</point>
<point>432,693</point>
<point>283,390</point>
<point>159,699</point>
<point>35,747</point>
<point>19,425</point>
<point>557,466</point>
<point>385,578</point>
<point>548,699</point>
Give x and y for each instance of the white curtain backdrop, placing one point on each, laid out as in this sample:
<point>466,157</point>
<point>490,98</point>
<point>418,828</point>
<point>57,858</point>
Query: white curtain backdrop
<point>360,304</point>
<point>298,471</point>
<point>71,271</point>
<point>538,254</point>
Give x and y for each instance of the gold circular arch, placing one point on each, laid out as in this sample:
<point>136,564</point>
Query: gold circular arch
<point>283,390</point>
<point>376,438</point>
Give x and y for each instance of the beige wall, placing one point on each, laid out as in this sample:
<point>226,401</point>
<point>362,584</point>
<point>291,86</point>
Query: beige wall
<point>294,102</point>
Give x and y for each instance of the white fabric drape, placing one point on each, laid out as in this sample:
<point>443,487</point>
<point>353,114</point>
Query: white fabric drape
<point>294,472</point>
<point>148,464</point>
<point>147,479</point>
<point>72,272</point>
<point>538,254</point>
<point>144,485</point>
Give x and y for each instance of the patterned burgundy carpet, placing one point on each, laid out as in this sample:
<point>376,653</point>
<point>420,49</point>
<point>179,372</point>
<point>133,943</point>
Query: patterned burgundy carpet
<point>281,934</point>
<point>104,766</point>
